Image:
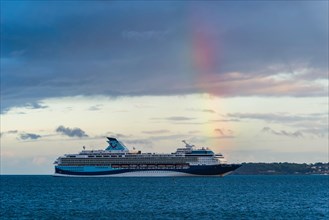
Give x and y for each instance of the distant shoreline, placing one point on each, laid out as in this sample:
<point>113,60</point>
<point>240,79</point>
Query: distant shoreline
<point>283,169</point>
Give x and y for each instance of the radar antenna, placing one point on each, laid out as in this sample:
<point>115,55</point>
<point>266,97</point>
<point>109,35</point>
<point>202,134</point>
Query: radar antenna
<point>187,145</point>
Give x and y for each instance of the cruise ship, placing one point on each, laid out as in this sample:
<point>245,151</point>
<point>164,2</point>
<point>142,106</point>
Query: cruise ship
<point>117,161</point>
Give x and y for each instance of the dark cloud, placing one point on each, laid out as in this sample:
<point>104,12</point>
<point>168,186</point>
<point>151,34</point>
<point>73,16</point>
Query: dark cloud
<point>71,132</point>
<point>29,136</point>
<point>223,133</point>
<point>36,105</point>
<point>219,131</point>
<point>295,134</point>
<point>161,48</point>
<point>31,105</point>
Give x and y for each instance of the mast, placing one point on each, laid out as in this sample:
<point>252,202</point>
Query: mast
<point>188,146</point>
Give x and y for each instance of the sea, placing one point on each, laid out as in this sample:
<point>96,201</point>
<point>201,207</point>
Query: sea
<point>229,197</point>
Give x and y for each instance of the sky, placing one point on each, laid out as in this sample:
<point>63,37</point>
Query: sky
<point>248,79</point>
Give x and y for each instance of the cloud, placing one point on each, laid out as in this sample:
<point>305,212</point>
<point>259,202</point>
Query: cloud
<point>270,117</point>
<point>146,142</point>
<point>208,110</point>
<point>219,131</point>
<point>95,108</point>
<point>225,120</point>
<point>260,85</point>
<point>156,131</point>
<point>162,48</point>
<point>8,132</point>
<point>223,133</point>
<point>36,105</point>
<point>121,136</point>
<point>31,105</point>
<point>179,118</point>
<point>320,132</point>
<point>71,132</point>
<point>29,136</point>
<point>117,135</point>
<point>202,110</point>
<point>279,117</point>
<point>314,124</point>
<point>295,134</point>
<point>12,132</point>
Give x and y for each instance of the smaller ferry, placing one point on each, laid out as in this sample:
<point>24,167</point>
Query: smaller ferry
<point>118,161</point>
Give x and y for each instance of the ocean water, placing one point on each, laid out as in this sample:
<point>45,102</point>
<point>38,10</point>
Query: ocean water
<point>230,197</point>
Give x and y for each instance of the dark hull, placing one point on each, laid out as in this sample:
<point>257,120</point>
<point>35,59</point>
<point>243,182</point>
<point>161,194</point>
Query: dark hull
<point>209,170</point>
